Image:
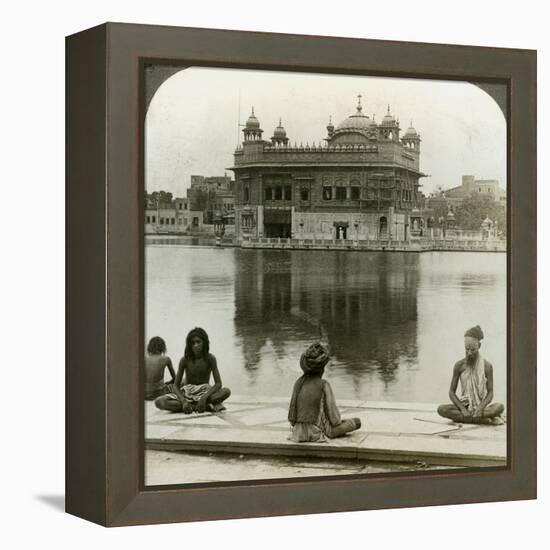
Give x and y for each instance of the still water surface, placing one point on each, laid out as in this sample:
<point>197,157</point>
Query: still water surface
<point>394,321</point>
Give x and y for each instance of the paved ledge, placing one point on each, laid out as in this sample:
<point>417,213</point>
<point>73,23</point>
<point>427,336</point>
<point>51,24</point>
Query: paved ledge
<point>391,432</point>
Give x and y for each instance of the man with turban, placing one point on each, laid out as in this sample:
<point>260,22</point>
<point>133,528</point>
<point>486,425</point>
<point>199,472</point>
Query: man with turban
<point>313,414</point>
<point>476,380</point>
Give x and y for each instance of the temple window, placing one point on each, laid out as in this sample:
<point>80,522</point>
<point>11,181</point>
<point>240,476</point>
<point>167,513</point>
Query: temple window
<point>340,193</point>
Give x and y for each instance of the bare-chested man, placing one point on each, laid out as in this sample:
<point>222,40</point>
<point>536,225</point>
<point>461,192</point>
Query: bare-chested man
<point>476,380</point>
<point>191,390</point>
<point>155,363</point>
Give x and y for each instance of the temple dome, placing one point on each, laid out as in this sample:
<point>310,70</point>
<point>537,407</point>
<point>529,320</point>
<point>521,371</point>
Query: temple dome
<point>252,123</point>
<point>279,132</point>
<point>411,132</point>
<point>357,121</point>
<point>389,119</point>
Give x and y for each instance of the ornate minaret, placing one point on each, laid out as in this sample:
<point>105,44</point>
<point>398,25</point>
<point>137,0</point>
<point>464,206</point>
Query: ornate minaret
<point>411,138</point>
<point>252,130</point>
<point>389,127</point>
<point>279,135</point>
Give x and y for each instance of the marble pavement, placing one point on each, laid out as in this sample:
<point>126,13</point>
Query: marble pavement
<point>390,432</point>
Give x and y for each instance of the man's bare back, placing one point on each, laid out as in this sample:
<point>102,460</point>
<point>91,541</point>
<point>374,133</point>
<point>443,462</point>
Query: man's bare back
<point>154,368</point>
<point>155,363</point>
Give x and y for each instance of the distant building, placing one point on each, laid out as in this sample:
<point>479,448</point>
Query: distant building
<point>162,216</point>
<point>214,196</point>
<point>470,186</point>
<point>361,183</point>
<point>174,217</point>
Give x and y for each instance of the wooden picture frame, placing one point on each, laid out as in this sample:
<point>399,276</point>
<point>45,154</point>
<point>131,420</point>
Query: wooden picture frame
<point>104,183</point>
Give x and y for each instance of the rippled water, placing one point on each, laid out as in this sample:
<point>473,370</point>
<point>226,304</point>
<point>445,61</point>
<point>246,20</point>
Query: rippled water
<point>394,321</point>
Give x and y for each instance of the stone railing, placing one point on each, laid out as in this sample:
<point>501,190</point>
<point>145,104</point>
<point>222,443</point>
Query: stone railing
<point>414,245</point>
<point>320,148</point>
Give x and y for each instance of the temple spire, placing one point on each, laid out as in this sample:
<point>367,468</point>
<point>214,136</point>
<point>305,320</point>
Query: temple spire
<point>359,106</point>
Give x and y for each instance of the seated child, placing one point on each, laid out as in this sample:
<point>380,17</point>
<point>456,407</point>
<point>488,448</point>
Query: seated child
<point>191,391</point>
<point>313,413</point>
<point>155,363</point>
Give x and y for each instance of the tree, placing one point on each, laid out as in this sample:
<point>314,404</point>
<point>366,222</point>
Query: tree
<point>439,208</point>
<point>475,208</point>
<point>159,198</point>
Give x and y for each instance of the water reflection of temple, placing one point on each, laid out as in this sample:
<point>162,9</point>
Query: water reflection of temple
<point>365,305</point>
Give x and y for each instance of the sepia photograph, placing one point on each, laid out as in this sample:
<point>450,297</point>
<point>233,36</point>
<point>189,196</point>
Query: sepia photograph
<point>325,275</point>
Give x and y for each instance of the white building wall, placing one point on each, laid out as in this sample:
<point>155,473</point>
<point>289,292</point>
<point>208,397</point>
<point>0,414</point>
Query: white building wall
<point>361,226</point>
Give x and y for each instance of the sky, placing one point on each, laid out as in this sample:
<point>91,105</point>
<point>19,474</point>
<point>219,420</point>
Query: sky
<point>191,126</point>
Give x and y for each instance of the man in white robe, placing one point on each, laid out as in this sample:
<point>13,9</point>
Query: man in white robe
<point>476,380</point>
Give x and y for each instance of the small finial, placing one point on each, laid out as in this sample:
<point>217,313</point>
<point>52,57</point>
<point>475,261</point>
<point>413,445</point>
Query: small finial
<point>252,110</point>
<point>359,107</point>
<point>388,108</point>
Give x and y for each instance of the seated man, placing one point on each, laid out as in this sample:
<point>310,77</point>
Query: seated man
<point>313,414</point>
<point>155,363</point>
<point>194,392</point>
<point>476,380</point>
